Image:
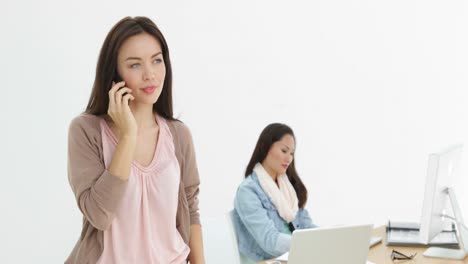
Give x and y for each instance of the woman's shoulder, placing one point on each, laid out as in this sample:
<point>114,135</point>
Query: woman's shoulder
<point>85,123</point>
<point>180,131</point>
<point>178,126</point>
<point>249,191</point>
<point>249,184</point>
<point>86,119</point>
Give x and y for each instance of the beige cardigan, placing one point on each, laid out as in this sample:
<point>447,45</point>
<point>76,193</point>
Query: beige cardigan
<point>98,193</point>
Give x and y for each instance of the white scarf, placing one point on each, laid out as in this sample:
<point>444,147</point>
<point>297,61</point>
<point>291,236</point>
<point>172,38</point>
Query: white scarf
<point>283,198</point>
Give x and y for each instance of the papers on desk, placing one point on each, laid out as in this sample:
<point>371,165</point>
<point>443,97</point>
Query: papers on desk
<point>284,258</point>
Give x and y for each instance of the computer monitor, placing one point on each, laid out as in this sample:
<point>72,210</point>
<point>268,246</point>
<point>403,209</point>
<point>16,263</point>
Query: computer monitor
<point>442,172</point>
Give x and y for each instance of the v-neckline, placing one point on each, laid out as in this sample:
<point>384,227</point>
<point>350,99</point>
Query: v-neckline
<point>154,160</point>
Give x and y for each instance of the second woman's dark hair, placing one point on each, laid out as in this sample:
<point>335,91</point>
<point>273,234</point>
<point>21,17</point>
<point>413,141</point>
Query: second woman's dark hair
<point>271,134</point>
<point>106,70</point>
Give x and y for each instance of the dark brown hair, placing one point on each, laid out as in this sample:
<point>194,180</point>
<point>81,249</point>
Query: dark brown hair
<point>271,134</point>
<point>106,69</point>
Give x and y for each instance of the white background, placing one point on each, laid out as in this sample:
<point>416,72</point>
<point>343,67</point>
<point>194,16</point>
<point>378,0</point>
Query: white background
<point>369,87</point>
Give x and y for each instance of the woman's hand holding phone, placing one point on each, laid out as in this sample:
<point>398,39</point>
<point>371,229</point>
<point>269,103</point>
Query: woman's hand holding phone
<point>119,109</point>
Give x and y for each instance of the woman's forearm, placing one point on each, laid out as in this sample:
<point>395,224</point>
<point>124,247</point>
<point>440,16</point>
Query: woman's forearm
<point>123,156</point>
<point>196,245</point>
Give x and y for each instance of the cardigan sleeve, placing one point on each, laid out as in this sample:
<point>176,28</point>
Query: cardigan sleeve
<point>189,169</point>
<point>97,192</point>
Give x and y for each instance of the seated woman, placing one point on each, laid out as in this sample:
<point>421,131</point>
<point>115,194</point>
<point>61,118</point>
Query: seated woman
<point>270,202</point>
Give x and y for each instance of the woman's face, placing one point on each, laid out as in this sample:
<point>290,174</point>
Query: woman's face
<point>141,65</point>
<point>280,156</point>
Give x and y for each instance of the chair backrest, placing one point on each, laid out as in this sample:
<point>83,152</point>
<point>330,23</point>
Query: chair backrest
<point>230,219</point>
<point>219,240</point>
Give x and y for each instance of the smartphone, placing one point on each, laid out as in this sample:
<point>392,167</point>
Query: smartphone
<point>117,77</point>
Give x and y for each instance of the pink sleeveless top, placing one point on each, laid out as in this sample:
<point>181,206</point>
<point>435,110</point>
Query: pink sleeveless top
<point>144,228</point>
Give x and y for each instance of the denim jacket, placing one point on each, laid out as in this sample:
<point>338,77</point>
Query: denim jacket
<point>258,225</point>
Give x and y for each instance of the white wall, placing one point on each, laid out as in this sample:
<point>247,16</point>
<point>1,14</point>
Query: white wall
<point>370,88</point>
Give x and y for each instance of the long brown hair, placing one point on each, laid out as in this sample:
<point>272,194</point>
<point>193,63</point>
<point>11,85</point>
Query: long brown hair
<point>106,69</point>
<point>271,134</point>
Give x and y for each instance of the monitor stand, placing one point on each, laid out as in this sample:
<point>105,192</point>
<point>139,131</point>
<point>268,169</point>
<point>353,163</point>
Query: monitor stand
<point>446,253</point>
<point>437,252</point>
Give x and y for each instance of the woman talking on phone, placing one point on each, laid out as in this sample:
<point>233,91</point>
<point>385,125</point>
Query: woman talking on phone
<point>131,164</point>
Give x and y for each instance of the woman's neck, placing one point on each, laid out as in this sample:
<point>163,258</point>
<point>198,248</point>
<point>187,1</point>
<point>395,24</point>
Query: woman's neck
<point>144,116</point>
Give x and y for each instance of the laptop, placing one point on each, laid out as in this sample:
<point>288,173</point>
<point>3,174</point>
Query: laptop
<point>330,245</point>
